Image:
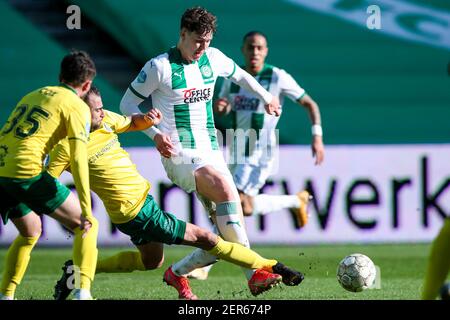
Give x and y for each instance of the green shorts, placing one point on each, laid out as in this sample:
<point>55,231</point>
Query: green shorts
<point>43,194</point>
<point>153,225</point>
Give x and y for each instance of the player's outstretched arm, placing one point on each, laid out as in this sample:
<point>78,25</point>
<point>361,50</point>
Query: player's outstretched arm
<point>129,105</point>
<point>80,172</point>
<point>273,107</point>
<point>59,159</point>
<point>164,145</point>
<point>141,122</point>
<point>318,149</point>
<point>248,82</point>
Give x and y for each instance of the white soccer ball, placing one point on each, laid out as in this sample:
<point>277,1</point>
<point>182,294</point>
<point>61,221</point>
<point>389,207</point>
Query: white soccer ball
<point>356,272</point>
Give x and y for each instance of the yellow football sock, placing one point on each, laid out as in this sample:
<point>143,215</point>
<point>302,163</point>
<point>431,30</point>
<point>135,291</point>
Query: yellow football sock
<point>438,263</point>
<point>85,253</point>
<point>16,263</point>
<point>240,255</point>
<point>125,261</point>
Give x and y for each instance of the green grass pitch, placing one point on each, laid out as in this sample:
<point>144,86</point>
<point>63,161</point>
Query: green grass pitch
<point>402,271</point>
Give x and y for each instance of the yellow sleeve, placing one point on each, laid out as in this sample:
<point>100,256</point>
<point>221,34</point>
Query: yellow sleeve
<point>59,159</point>
<point>119,123</point>
<point>78,132</point>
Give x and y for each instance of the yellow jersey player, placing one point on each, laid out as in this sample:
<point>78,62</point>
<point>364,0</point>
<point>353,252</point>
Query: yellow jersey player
<point>124,192</point>
<point>438,265</point>
<point>181,83</point>
<point>39,121</point>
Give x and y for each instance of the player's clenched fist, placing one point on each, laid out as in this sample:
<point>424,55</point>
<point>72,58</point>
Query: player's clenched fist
<point>154,115</point>
<point>222,106</point>
<point>273,107</point>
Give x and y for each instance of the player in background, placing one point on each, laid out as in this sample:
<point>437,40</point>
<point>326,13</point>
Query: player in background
<point>252,159</point>
<point>181,83</point>
<point>252,165</point>
<point>438,263</point>
<point>124,192</point>
<point>38,122</point>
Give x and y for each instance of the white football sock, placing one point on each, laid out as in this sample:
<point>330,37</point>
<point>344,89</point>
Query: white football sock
<point>82,294</point>
<point>264,203</point>
<point>208,268</point>
<point>231,228</point>
<point>196,259</point>
<point>3,297</point>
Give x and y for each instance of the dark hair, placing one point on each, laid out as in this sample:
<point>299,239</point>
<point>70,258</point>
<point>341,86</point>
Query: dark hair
<point>76,68</point>
<point>92,91</point>
<point>254,33</point>
<point>199,20</point>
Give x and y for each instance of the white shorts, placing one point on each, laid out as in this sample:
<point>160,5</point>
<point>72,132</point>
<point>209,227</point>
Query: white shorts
<point>180,170</point>
<point>250,178</point>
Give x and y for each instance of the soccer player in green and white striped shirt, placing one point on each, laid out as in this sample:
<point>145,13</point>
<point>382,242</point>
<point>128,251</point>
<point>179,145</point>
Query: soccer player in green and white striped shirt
<point>254,141</point>
<point>181,83</point>
<point>253,163</point>
<point>252,160</point>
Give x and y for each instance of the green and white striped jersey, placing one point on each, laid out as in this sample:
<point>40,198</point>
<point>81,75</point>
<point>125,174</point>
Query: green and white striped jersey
<point>249,113</point>
<point>183,92</point>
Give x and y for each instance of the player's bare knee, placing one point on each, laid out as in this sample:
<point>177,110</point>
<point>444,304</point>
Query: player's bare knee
<point>222,188</point>
<point>247,211</point>
<point>212,184</point>
<point>36,232</point>
<point>247,204</point>
<point>29,225</point>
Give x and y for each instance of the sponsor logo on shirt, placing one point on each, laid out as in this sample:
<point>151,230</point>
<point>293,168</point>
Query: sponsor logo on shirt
<point>206,71</point>
<point>245,103</point>
<point>142,77</point>
<point>233,222</point>
<point>197,95</point>
<point>196,160</point>
<point>103,150</point>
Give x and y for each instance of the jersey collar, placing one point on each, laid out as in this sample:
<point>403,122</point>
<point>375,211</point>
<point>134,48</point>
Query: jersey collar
<point>264,68</point>
<point>64,85</point>
<point>178,58</point>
